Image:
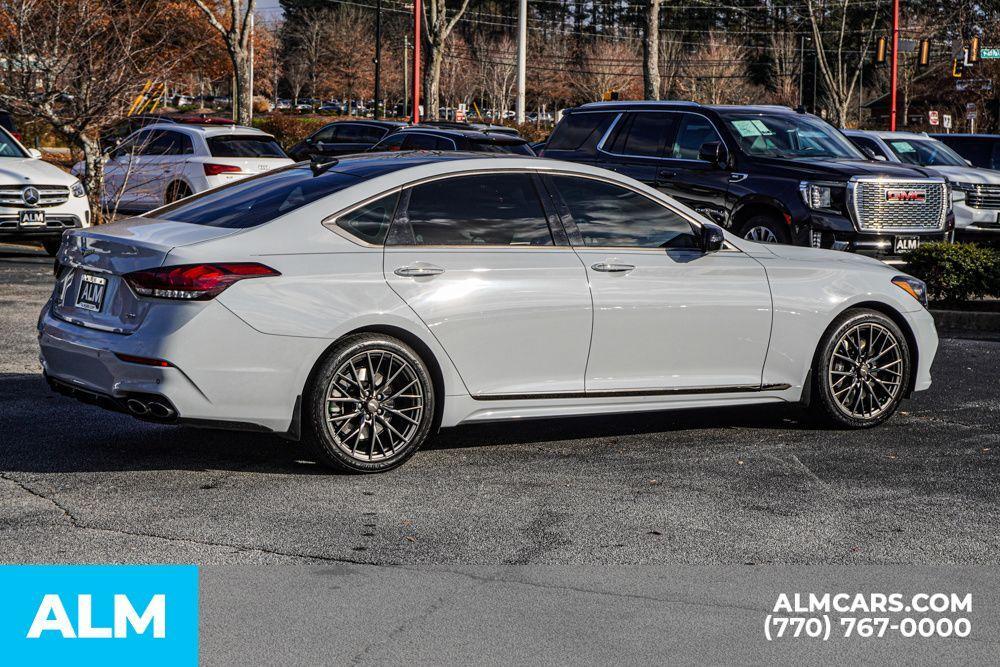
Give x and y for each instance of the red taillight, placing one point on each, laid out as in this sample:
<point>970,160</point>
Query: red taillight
<point>216,169</point>
<point>145,361</point>
<point>194,282</point>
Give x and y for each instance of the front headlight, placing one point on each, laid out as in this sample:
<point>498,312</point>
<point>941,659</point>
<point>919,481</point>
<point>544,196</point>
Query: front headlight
<point>822,196</point>
<point>915,288</point>
<point>77,189</point>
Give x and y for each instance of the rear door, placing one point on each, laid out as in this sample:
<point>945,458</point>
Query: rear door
<point>162,162</point>
<point>702,185</point>
<point>635,145</point>
<point>496,283</point>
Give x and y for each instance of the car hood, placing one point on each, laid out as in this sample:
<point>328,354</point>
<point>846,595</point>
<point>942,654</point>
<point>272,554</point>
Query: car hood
<point>968,175</point>
<point>844,169</point>
<point>799,253</point>
<point>29,170</point>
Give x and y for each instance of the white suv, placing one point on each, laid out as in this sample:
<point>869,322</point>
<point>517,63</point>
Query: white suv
<point>38,200</point>
<point>976,191</point>
<point>164,162</point>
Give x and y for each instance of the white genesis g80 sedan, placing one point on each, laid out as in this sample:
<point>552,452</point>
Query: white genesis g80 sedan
<point>362,304</point>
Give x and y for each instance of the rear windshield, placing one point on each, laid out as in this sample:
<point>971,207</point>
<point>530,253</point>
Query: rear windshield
<point>244,145</point>
<point>256,200</point>
<point>501,146</point>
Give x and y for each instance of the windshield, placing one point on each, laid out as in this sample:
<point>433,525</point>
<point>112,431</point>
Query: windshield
<point>256,200</point>
<point>501,146</point>
<point>8,147</point>
<point>789,136</point>
<point>925,153</point>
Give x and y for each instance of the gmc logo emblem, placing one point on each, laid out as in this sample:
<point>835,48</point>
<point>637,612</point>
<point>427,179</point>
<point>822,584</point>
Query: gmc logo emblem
<point>901,195</point>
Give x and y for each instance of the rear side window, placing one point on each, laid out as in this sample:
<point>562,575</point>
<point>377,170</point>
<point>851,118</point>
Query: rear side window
<point>370,223</point>
<point>256,200</point>
<point>244,145</point>
<point>644,134</point>
<point>577,129</point>
<point>501,146</point>
<point>488,210</point>
<point>610,215</point>
<point>427,142</point>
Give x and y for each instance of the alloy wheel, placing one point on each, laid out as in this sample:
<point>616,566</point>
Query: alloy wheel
<point>374,405</point>
<point>866,370</point>
<point>761,234</point>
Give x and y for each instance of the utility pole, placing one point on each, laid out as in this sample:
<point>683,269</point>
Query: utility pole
<point>802,71</point>
<point>406,76</point>
<point>418,13</point>
<point>522,50</point>
<point>250,22</point>
<point>378,58</point>
<point>893,77</point>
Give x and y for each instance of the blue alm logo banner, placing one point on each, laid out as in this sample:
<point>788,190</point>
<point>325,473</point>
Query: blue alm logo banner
<point>99,614</point>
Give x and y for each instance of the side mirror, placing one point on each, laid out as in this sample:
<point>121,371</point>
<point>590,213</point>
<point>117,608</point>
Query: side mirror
<point>35,153</point>
<point>713,152</point>
<point>712,237</point>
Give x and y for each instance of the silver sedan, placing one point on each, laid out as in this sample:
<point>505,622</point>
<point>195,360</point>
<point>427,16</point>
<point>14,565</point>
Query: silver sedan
<point>363,304</point>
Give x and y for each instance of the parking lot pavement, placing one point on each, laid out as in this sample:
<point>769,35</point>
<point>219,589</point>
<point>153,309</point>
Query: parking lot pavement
<point>735,486</point>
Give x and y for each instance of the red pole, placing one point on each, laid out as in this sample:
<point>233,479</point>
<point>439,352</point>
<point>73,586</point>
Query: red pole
<point>417,15</point>
<point>895,63</point>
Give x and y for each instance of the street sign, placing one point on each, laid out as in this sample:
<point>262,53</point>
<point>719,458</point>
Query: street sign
<point>989,53</point>
<point>971,115</point>
<point>970,106</point>
<point>908,45</point>
<point>946,121</point>
<point>932,117</point>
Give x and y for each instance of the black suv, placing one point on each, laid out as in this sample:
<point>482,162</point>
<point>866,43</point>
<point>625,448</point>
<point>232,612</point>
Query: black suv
<point>982,150</point>
<point>343,137</point>
<point>766,173</point>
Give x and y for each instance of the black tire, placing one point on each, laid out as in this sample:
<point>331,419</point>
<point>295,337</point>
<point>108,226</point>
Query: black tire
<point>330,430</point>
<point>177,191</point>
<point>760,225</point>
<point>52,247</point>
<point>846,393</point>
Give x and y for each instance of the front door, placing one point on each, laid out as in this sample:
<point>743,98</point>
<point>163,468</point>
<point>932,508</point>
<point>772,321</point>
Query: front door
<point>697,183</point>
<point>666,315</point>
<point>476,259</point>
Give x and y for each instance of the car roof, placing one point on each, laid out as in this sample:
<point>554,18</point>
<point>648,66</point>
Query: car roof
<point>886,134</point>
<point>477,135</point>
<point>682,104</point>
<point>369,121</point>
<point>206,130</point>
<point>971,136</point>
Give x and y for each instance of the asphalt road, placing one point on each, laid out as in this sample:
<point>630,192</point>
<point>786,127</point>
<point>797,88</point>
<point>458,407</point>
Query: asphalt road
<point>761,486</point>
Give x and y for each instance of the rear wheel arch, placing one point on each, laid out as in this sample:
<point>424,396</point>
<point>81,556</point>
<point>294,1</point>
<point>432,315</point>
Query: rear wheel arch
<point>176,185</point>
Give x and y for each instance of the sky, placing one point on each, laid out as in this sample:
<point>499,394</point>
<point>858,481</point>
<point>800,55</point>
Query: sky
<point>268,9</point>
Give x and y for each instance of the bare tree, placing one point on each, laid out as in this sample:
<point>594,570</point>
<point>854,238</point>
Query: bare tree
<point>716,73</point>
<point>438,25</point>
<point>497,64</point>
<point>651,52</point>
<point>296,73</point>
<point>671,64</point>
<point>78,64</point>
<point>311,41</point>
<point>839,70</point>
<point>607,65</point>
<point>785,67</point>
<point>236,31</point>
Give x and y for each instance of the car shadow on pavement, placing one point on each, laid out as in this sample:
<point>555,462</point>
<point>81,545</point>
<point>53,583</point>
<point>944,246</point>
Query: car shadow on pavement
<point>41,431</point>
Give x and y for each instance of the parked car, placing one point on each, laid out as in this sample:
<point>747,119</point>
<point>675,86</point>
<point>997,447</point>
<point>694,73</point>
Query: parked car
<point>343,137</point>
<point>364,305</point>
<point>165,162</point>
<point>765,173</point>
<point>981,150</point>
<point>976,191</point>
<point>440,139</point>
<point>7,123</point>
<point>38,201</point>
<point>470,125</point>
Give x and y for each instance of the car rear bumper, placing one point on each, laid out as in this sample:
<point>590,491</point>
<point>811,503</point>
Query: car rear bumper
<point>223,373</point>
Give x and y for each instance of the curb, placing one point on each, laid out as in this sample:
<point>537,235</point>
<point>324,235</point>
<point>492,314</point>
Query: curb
<point>967,324</point>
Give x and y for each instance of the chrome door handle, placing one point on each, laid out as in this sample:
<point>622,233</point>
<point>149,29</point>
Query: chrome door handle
<point>418,271</point>
<point>612,268</point>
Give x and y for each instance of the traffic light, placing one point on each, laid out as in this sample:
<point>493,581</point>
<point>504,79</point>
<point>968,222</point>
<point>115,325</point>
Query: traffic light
<point>880,50</point>
<point>974,50</point>
<point>957,68</point>
<point>924,54</point>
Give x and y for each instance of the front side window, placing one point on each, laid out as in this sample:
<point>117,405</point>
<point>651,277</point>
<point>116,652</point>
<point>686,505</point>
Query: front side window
<point>370,223</point>
<point>486,210</point>
<point>245,145</point>
<point>8,148</point>
<point>325,135</point>
<point>695,132</point>
<point>865,142</point>
<point>392,143</point>
<point>788,136</point>
<point>925,153</point>
<point>612,216</point>
<point>418,141</point>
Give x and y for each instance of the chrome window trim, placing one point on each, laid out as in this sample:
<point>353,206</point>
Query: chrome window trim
<point>330,221</point>
<point>614,124</point>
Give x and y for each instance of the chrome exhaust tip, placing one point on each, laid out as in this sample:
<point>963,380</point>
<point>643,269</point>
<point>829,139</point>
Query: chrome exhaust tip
<point>137,407</point>
<point>159,410</point>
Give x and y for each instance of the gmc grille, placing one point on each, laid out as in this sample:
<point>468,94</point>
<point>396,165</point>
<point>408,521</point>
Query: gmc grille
<point>982,196</point>
<point>48,195</point>
<point>900,205</point>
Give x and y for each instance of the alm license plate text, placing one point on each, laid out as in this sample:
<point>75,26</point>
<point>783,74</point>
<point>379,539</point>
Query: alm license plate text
<point>31,218</point>
<point>906,243</point>
<point>91,295</point>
